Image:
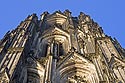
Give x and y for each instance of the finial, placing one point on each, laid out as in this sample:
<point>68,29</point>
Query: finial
<point>81,16</point>
<point>67,13</point>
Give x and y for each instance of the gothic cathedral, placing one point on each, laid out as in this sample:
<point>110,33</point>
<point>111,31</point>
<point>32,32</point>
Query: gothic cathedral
<point>60,48</point>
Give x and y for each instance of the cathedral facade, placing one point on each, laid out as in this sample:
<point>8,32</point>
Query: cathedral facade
<point>60,48</point>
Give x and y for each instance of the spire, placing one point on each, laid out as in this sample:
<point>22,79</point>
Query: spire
<point>43,15</point>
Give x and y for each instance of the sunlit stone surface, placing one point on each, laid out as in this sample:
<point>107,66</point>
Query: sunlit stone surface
<point>60,48</point>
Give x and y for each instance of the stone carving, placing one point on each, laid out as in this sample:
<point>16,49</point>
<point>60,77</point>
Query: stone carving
<point>60,48</point>
<point>77,79</point>
<point>4,77</point>
<point>81,42</point>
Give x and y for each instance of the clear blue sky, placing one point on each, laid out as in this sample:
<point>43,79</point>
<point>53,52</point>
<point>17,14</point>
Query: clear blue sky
<point>110,14</point>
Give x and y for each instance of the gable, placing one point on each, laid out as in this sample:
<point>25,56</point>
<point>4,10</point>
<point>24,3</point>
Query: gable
<point>55,31</point>
<point>56,18</point>
<point>74,58</point>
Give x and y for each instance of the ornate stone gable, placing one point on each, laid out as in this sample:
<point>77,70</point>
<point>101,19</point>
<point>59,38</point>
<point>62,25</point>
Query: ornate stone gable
<point>60,48</point>
<point>56,17</point>
<point>75,64</point>
<point>55,31</point>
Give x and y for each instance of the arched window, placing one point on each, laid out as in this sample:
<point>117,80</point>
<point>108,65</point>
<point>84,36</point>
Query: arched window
<point>57,49</point>
<point>44,50</point>
<point>61,49</point>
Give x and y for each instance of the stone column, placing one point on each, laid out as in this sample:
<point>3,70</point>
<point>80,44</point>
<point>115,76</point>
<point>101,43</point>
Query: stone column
<point>93,80</point>
<point>48,69</point>
<point>98,70</point>
<point>120,73</point>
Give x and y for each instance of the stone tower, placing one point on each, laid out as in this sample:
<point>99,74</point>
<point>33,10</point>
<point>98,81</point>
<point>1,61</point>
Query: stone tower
<point>60,48</point>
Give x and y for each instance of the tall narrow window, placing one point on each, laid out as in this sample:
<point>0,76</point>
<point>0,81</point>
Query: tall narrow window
<point>57,49</point>
<point>61,50</point>
<point>44,49</point>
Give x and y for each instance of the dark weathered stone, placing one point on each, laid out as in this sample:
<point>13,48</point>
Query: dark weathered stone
<point>60,48</point>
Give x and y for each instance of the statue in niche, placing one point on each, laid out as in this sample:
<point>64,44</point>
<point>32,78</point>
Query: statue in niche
<point>81,42</point>
<point>31,62</point>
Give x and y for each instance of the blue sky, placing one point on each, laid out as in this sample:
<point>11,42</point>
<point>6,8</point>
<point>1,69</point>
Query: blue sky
<point>109,14</point>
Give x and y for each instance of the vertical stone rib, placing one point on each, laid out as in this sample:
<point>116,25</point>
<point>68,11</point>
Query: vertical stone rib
<point>92,77</point>
<point>16,41</point>
<point>3,61</point>
<point>24,42</point>
<point>57,62</point>
<point>99,70</point>
<point>120,74</point>
<point>19,40</point>
<point>11,60</point>
<point>48,70</point>
<point>15,63</point>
